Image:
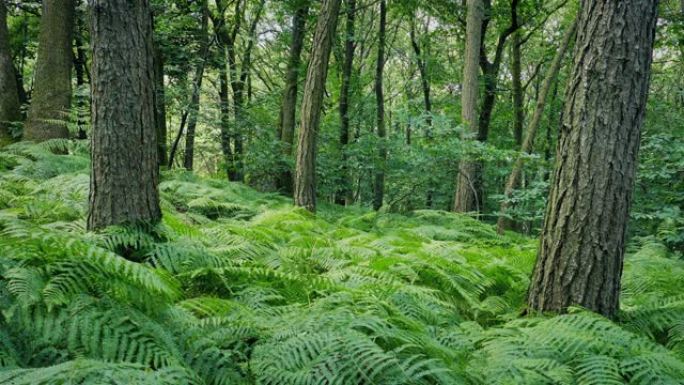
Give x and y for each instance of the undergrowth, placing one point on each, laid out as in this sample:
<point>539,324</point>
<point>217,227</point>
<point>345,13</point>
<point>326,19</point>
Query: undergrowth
<point>239,287</point>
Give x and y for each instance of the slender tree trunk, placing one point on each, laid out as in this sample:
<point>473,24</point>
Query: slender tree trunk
<point>528,145</point>
<point>289,104</point>
<point>125,172</point>
<point>80,66</point>
<point>583,239</point>
<point>238,85</point>
<point>344,195</point>
<point>422,70</point>
<point>518,97</point>
<point>9,97</point>
<point>379,185</point>
<point>312,102</point>
<point>466,198</point>
<point>189,156</point>
<point>160,107</point>
<point>51,97</point>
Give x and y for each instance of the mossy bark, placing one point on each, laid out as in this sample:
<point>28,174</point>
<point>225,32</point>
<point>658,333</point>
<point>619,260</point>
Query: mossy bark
<point>312,103</point>
<point>9,97</point>
<point>49,111</point>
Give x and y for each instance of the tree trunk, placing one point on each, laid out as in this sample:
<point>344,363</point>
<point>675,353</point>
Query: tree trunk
<point>465,199</point>
<point>422,70</point>
<point>312,103</point>
<point>81,67</point>
<point>583,239</point>
<point>528,145</point>
<point>9,97</point>
<point>345,192</point>
<point>518,97</point>
<point>189,156</point>
<point>160,107</point>
<point>289,104</point>
<point>51,98</point>
<point>125,173</point>
<point>379,185</point>
<point>238,84</point>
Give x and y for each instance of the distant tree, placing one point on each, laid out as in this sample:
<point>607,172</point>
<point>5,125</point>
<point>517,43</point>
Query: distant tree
<point>9,96</point>
<point>465,198</point>
<point>583,238</point>
<point>528,144</point>
<point>344,193</point>
<point>51,98</point>
<point>379,182</point>
<point>312,103</point>
<point>125,174</point>
<point>288,108</point>
<point>189,156</point>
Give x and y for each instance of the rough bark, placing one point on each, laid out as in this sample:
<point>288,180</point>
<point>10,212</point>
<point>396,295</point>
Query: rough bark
<point>312,102</point>
<point>9,97</point>
<point>528,145</point>
<point>344,195</point>
<point>582,243</point>
<point>51,97</point>
<point>466,198</point>
<point>379,183</point>
<point>189,156</point>
<point>125,173</point>
<point>289,104</point>
<point>160,107</point>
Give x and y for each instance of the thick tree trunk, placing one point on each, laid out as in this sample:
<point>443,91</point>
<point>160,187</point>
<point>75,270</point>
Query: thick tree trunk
<point>289,104</point>
<point>312,103</point>
<point>344,195</point>
<point>528,145</point>
<point>160,107</point>
<point>466,197</point>
<point>9,97</point>
<point>51,97</point>
<point>379,185</point>
<point>125,173</point>
<point>583,239</point>
<point>189,156</point>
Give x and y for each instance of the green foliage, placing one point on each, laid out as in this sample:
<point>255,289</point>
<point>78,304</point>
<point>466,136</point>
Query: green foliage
<point>238,287</point>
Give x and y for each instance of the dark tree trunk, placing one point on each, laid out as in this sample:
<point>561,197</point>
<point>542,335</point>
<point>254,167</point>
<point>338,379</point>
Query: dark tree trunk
<point>466,198</point>
<point>312,103</point>
<point>9,97</point>
<point>160,107</point>
<point>125,172</point>
<point>51,98</point>
<point>81,68</point>
<point>528,145</point>
<point>289,104</point>
<point>422,70</point>
<point>344,195</point>
<point>189,156</point>
<point>379,185</point>
<point>518,97</point>
<point>583,239</point>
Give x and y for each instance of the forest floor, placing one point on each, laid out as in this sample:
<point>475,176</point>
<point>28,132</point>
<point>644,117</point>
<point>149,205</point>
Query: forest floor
<point>236,286</point>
